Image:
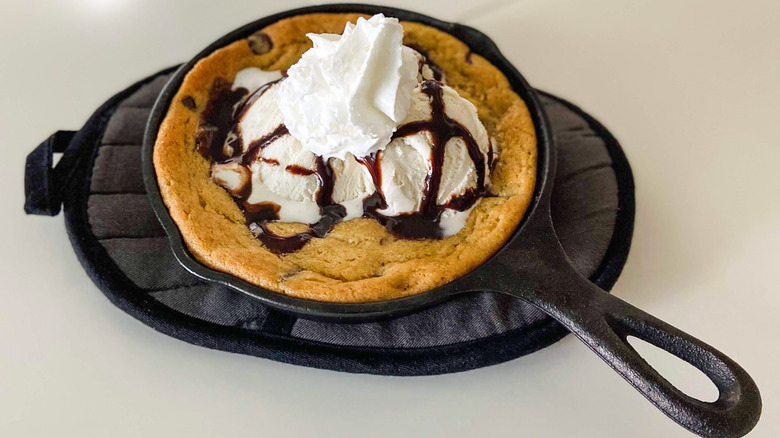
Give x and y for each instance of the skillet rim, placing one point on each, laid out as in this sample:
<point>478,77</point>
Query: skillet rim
<point>479,43</point>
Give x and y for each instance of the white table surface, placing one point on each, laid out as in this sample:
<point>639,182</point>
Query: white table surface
<point>690,88</point>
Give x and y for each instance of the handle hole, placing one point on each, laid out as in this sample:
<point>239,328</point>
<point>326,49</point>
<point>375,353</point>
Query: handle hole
<point>684,376</point>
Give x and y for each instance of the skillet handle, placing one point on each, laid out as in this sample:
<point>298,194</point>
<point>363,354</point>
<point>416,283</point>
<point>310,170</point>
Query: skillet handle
<point>603,321</point>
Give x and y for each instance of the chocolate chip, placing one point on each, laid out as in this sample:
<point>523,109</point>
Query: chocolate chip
<point>189,102</point>
<point>260,43</point>
<point>437,73</point>
<point>468,56</point>
<point>292,273</point>
<point>203,138</point>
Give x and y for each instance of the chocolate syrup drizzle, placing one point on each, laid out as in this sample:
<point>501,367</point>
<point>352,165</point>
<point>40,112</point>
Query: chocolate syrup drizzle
<point>425,222</point>
<point>217,119</point>
<point>257,146</point>
<point>331,214</point>
<point>226,109</point>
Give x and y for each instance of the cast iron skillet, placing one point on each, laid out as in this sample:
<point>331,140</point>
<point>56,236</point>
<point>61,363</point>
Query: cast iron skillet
<point>532,266</point>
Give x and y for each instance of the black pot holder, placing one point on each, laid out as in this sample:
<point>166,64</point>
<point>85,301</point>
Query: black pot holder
<point>124,250</point>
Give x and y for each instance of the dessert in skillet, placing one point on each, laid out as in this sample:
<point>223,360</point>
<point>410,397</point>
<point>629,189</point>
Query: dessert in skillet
<point>338,157</point>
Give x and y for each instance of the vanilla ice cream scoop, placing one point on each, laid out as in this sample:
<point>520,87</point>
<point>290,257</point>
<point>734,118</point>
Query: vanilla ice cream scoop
<point>285,179</point>
<point>437,166</point>
<point>430,174</point>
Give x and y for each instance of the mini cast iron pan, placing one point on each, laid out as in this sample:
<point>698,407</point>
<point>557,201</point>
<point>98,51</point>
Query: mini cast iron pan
<point>532,266</point>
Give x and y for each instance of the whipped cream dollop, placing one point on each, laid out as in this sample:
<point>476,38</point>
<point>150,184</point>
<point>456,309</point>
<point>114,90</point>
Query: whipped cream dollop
<point>349,92</point>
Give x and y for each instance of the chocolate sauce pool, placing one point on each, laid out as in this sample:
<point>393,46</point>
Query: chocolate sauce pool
<point>219,140</point>
<point>217,120</point>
